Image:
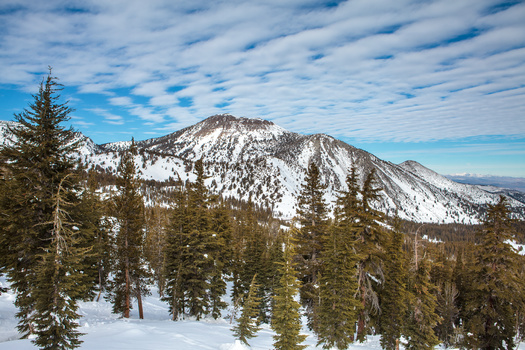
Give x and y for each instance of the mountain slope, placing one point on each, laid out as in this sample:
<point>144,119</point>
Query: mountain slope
<point>254,158</point>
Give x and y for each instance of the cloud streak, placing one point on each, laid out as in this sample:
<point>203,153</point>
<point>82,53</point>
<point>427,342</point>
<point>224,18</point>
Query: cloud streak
<point>369,70</point>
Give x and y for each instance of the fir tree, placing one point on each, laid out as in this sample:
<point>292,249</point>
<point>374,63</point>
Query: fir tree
<point>338,309</point>
<point>394,293</point>
<point>39,155</point>
<point>370,249</point>
<point>221,253</point>
<point>496,292</point>
<point>156,243</point>
<point>57,280</point>
<point>312,213</point>
<point>129,272</point>
<point>95,228</point>
<point>286,320</point>
<point>175,262</point>
<point>446,296</point>
<point>247,324</point>
<point>422,317</point>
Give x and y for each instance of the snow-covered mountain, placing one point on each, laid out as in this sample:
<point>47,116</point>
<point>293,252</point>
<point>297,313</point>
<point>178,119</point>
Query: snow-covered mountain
<point>255,158</point>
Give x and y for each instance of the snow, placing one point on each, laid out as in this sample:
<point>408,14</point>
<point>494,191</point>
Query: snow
<point>104,330</point>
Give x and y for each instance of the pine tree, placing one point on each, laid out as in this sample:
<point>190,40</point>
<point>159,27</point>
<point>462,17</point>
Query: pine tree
<point>198,252</point>
<point>286,319</point>
<point>312,213</point>
<point>496,292</point>
<point>175,262</point>
<point>57,280</point>
<point>221,253</point>
<point>129,272</point>
<point>338,309</point>
<point>446,295</point>
<point>394,293</point>
<point>39,155</point>
<point>370,249</point>
<point>422,317</point>
<point>95,230</point>
<point>247,325</point>
<point>155,244</point>
<point>255,260</point>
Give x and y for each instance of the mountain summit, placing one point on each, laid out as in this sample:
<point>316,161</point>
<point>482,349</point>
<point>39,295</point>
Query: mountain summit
<point>254,158</point>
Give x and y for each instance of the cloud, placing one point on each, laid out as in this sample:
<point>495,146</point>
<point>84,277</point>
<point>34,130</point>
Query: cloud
<point>367,70</point>
<point>108,117</point>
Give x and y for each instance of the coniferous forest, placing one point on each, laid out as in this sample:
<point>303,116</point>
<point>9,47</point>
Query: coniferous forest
<point>352,272</point>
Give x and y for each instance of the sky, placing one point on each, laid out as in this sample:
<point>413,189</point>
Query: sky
<point>441,82</point>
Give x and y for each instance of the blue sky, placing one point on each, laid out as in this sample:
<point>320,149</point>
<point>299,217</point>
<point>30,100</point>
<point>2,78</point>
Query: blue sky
<point>441,82</point>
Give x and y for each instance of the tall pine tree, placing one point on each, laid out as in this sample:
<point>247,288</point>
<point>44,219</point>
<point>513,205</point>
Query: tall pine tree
<point>394,293</point>
<point>129,281</point>
<point>496,291</point>
<point>370,249</point>
<point>36,160</point>
<point>286,319</point>
<point>312,214</point>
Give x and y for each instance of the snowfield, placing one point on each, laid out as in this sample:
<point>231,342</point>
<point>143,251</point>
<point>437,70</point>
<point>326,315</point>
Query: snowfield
<point>106,331</point>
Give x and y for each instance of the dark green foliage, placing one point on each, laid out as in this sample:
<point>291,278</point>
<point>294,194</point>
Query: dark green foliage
<point>496,291</point>
<point>36,161</point>
<point>95,231</point>
<point>175,285</point>
<point>156,243</point>
<point>247,327</point>
<point>446,296</point>
<point>286,320</point>
<point>197,257</point>
<point>393,293</point>
<point>338,308</point>
<point>422,317</point>
<point>312,214</point>
<point>58,279</point>
<point>130,275</point>
<point>370,248</point>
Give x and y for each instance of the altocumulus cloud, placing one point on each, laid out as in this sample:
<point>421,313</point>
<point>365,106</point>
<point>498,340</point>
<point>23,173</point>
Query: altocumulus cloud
<point>364,69</point>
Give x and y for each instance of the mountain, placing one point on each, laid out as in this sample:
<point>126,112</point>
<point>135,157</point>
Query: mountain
<point>512,183</point>
<point>255,158</point>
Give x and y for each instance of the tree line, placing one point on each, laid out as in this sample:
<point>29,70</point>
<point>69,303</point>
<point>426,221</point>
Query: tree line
<point>352,274</point>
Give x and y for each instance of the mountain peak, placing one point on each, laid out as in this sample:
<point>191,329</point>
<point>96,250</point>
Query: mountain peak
<point>228,120</point>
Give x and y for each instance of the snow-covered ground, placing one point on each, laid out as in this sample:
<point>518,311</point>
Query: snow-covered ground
<point>105,331</point>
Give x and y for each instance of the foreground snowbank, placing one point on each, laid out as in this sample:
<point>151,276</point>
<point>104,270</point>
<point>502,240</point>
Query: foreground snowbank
<point>104,330</point>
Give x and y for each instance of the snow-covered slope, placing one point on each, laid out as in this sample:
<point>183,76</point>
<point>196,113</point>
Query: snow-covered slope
<point>255,158</point>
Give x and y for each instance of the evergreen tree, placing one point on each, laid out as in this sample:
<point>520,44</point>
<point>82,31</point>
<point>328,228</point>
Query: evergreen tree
<point>37,158</point>
<point>496,292</point>
<point>255,260</point>
<point>338,309</point>
<point>196,262</point>
<point>446,297</point>
<point>312,214</point>
<point>130,275</point>
<point>175,262</point>
<point>221,252</point>
<point>155,244</point>
<point>57,280</point>
<point>394,293</point>
<point>198,252</point>
<point>286,320</point>
<point>422,317</point>
<point>370,249</point>
<point>247,325</point>
<point>96,236</point>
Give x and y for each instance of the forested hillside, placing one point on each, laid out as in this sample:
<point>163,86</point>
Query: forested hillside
<point>70,234</point>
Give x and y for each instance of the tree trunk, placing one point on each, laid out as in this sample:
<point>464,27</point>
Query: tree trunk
<point>139,300</point>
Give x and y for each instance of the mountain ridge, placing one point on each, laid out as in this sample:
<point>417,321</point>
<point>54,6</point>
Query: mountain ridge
<point>254,158</point>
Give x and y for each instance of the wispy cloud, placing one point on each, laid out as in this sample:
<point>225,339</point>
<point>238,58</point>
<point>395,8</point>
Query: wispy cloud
<point>373,69</point>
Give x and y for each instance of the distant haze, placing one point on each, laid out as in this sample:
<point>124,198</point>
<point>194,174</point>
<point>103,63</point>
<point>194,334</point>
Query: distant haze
<point>514,183</point>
